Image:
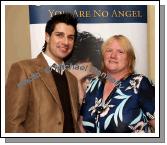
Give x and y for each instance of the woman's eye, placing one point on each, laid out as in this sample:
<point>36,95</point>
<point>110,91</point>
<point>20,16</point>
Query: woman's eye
<point>121,51</point>
<point>109,50</point>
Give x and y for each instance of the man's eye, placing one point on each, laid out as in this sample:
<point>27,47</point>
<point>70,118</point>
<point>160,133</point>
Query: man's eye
<point>71,38</point>
<point>87,79</point>
<point>60,35</point>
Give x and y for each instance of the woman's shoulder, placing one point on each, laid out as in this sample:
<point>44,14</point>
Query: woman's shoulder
<point>139,82</point>
<point>141,79</point>
<point>138,76</point>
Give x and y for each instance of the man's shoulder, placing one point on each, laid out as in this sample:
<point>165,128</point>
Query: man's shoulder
<point>26,62</point>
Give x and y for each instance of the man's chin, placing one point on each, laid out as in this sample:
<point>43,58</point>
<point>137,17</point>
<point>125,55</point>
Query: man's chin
<point>64,56</point>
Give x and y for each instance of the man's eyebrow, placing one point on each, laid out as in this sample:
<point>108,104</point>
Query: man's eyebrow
<point>64,33</point>
<point>72,35</point>
<point>59,32</point>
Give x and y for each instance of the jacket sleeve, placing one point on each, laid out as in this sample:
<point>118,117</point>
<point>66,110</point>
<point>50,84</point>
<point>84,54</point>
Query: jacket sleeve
<point>16,99</point>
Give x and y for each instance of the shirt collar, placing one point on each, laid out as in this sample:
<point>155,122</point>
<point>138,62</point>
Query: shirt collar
<point>51,62</point>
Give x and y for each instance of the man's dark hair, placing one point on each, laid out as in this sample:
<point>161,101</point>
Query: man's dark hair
<point>66,18</point>
<point>87,48</point>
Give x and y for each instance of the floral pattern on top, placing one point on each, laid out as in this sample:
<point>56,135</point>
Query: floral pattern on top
<point>128,108</point>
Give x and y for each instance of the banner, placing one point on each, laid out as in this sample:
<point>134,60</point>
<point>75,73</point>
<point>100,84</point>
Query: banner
<point>101,21</point>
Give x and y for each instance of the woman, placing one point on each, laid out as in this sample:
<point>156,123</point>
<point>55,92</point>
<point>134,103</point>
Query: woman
<point>122,101</point>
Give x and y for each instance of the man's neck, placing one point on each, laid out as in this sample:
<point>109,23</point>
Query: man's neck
<point>57,61</point>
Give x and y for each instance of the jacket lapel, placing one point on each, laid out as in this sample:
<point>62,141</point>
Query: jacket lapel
<point>46,77</point>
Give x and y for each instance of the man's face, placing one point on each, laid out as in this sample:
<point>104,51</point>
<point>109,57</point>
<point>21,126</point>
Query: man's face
<point>83,77</point>
<point>61,41</point>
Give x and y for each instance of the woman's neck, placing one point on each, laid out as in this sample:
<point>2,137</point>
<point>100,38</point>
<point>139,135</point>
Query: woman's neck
<point>119,76</point>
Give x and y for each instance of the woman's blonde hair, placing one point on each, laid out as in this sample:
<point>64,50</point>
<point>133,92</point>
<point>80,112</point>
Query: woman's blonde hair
<point>126,45</point>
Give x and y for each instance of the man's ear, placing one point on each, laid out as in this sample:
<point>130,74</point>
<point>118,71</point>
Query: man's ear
<point>47,37</point>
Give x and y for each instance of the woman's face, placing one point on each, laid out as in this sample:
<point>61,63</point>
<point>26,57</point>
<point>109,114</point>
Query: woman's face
<point>115,58</point>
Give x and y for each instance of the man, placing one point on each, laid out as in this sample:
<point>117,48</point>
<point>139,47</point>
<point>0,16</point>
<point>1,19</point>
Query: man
<point>86,54</point>
<point>39,99</point>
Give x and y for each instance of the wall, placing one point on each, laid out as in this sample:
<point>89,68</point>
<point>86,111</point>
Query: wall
<point>151,42</point>
<point>17,35</point>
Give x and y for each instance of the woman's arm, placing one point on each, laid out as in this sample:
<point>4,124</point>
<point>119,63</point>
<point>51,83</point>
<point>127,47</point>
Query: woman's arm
<point>152,123</point>
<point>80,124</point>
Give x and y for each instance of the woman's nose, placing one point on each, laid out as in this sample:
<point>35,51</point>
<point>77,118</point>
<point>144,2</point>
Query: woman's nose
<point>113,55</point>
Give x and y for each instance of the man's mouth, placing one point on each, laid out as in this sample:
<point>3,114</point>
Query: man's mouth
<point>63,48</point>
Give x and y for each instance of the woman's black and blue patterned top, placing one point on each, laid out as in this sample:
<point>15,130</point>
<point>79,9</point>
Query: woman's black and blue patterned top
<point>131,103</point>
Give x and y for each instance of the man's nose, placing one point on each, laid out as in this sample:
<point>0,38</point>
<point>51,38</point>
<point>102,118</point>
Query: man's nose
<point>65,40</point>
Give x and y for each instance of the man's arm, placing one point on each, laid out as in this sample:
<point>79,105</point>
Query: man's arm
<point>16,99</point>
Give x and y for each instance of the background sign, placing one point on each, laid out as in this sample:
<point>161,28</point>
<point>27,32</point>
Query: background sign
<point>100,20</point>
